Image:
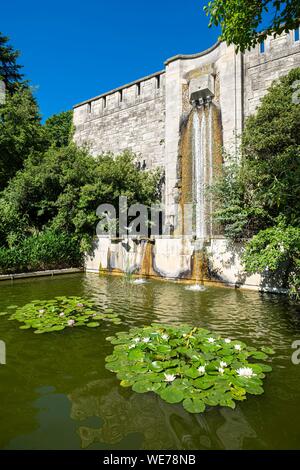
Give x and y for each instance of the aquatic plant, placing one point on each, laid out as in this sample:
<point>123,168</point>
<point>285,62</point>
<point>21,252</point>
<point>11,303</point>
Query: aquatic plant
<point>57,314</point>
<point>188,365</point>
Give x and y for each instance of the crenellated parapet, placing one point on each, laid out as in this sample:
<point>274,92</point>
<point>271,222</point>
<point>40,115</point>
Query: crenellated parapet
<point>129,117</point>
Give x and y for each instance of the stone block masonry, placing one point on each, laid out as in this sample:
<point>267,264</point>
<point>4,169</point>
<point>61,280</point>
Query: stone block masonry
<point>281,54</point>
<point>131,117</point>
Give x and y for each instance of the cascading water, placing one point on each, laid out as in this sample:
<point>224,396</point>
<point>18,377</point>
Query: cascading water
<point>202,155</point>
<point>203,168</point>
<point>199,135</point>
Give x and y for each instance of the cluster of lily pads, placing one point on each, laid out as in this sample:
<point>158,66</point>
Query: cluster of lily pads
<point>45,316</point>
<point>188,365</point>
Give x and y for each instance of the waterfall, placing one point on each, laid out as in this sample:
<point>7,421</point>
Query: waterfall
<point>210,137</point>
<point>203,169</point>
<point>199,151</point>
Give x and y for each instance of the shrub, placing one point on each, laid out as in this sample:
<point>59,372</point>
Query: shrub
<point>265,185</point>
<point>48,250</point>
<point>276,250</point>
<point>61,190</point>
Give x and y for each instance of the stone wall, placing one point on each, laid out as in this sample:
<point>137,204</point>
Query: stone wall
<point>131,117</point>
<point>281,54</point>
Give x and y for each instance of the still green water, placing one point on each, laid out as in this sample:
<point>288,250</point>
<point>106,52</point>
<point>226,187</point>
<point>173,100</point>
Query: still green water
<point>55,392</point>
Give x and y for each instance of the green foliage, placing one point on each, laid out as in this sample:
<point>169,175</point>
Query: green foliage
<point>271,153</point>
<point>187,365</point>
<point>62,189</point>
<point>46,250</point>
<point>276,249</point>
<point>45,316</point>
<point>252,195</point>
<point>237,218</point>
<point>240,20</point>
<point>9,68</point>
<point>59,129</point>
<point>20,132</point>
<point>261,196</point>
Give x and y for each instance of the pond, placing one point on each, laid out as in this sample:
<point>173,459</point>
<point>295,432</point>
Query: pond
<point>55,392</point>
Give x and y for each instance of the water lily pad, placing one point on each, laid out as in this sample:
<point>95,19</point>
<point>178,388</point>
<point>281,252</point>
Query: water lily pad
<point>143,386</point>
<point>194,405</point>
<point>186,364</point>
<point>46,316</point>
<point>268,350</point>
<point>171,394</point>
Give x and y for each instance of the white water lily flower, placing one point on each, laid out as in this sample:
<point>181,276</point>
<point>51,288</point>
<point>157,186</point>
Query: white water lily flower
<point>201,370</point>
<point>146,340</point>
<point>221,370</point>
<point>42,311</point>
<point>245,372</point>
<point>131,346</point>
<point>223,364</point>
<point>227,340</point>
<point>71,322</point>
<point>169,377</point>
<point>61,314</point>
<point>165,337</point>
<point>136,340</point>
<point>211,340</point>
<point>238,347</point>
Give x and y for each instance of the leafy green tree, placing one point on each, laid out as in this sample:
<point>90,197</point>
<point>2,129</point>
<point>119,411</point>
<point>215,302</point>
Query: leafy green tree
<point>266,184</point>
<point>9,68</point>
<point>260,196</point>
<point>276,251</point>
<point>59,129</point>
<point>21,132</point>
<point>240,19</point>
<point>62,188</point>
<point>271,154</point>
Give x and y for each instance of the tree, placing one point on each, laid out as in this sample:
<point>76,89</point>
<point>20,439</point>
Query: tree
<point>240,19</point>
<point>259,198</point>
<point>276,251</point>
<point>21,132</point>
<point>59,129</point>
<point>9,68</point>
<point>61,189</point>
<point>266,183</point>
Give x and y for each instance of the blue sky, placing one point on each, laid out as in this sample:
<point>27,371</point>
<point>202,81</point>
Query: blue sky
<point>73,50</point>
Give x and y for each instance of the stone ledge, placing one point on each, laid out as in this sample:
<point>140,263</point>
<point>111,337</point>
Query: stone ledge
<point>115,90</point>
<point>192,56</point>
<point>51,272</point>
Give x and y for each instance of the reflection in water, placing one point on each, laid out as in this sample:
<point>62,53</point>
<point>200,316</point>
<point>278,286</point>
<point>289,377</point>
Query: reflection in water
<point>56,393</point>
<point>122,413</point>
